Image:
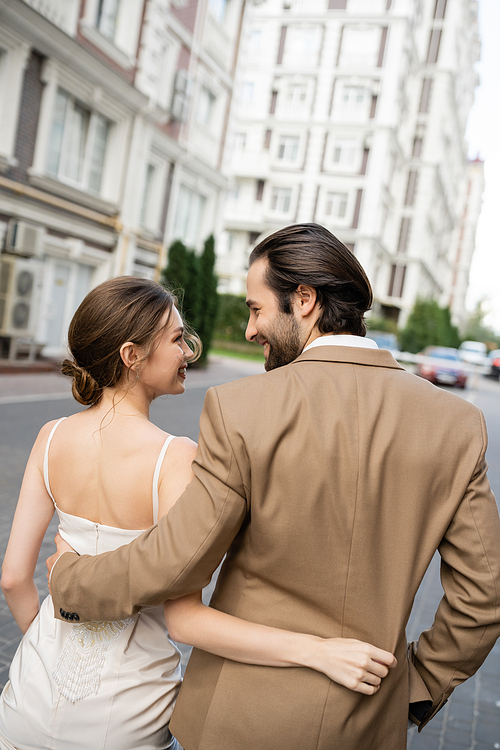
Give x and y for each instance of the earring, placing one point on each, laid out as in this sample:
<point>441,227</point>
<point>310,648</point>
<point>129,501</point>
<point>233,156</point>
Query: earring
<point>137,375</point>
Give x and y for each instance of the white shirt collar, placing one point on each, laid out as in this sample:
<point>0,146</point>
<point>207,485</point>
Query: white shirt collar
<point>347,339</point>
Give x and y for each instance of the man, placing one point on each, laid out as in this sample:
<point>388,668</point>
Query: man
<point>330,481</point>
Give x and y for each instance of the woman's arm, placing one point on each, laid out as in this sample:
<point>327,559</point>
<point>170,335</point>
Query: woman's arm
<point>357,665</point>
<point>33,514</point>
<point>354,664</point>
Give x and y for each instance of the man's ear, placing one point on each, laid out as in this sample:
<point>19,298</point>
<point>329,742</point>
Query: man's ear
<point>129,354</point>
<point>305,299</point>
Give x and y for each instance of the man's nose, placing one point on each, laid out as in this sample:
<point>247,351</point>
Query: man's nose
<point>251,331</point>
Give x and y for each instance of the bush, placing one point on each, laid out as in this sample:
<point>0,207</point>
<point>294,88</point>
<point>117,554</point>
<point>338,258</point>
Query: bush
<point>232,318</point>
<point>428,324</point>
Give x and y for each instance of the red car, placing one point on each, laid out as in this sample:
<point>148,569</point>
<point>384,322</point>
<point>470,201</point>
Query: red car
<point>494,363</point>
<point>442,366</point>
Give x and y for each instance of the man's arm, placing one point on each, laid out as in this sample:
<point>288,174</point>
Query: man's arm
<point>176,557</point>
<point>467,621</point>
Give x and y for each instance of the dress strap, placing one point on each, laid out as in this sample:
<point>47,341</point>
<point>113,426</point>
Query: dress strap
<point>156,476</point>
<point>46,459</point>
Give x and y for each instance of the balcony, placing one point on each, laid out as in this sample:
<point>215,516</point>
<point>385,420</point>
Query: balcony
<point>62,13</point>
<point>358,61</point>
<point>217,42</point>
<point>366,7</point>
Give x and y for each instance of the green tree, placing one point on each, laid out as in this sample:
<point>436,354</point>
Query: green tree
<point>381,324</point>
<point>175,275</point>
<point>208,298</point>
<point>232,318</point>
<point>475,328</point>
<point>193,280</point>
<point>428,324</point>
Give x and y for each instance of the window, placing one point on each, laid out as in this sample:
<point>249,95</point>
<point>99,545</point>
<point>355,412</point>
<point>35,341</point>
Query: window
<point>397,281</point>
<point>296,94</point>
<point>259,190</point>
<point>288,149</point>
<point>217,9</point>
<point>302,45</point>
<point>336,205</point>
<point>404,232</point>
<point>337,4</point>
<point>206,102</point>
<point>240,141</point>
<point>281,47</point>
<point>426,95</point>
<point>77,144</point>
<point>153,195</point>
<point>189,216</point>
<point>345,152</point>
<point>107,17</point>
<point>434,42</point>
<point>360,45</point>
<point>417,147</point>
<point>146,219</point>
<point>410,188</point>
<point>267,138</point>
<point>254,42</point>
<point>274,99</point>
<point>440,9</point>
<point>247,89</point>
<point>281,199</point>
<point>355,97</point>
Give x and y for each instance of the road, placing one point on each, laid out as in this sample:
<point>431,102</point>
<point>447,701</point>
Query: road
<point>470,720</point>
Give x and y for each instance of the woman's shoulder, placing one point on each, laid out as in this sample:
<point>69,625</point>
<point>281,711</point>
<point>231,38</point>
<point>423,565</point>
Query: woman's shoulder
<point>45,431</point>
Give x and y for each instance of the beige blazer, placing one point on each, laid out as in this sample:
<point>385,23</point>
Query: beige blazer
<point>330,483</point>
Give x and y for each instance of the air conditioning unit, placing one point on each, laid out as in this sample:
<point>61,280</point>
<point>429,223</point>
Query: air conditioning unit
<point>182,82</point>
<point>180,97</point>
<point>23,238</point>
<point>18,294</point>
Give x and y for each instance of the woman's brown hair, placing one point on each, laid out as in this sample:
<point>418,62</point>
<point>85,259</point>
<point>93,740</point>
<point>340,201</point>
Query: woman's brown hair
<point>119,310</point>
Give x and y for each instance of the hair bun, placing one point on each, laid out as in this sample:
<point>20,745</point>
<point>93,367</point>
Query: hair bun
<point>85,388</point>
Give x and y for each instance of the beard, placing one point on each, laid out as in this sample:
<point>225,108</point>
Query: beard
<point>284,342</point>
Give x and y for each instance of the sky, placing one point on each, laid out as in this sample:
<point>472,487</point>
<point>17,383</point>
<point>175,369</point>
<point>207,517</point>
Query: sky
<point>483,136</point>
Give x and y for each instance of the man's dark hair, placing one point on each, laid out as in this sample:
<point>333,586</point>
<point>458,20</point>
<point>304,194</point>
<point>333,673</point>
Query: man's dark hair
<point>309,254</point>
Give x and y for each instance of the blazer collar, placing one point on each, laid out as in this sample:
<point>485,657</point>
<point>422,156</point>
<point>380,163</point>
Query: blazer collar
<point>351,354</point>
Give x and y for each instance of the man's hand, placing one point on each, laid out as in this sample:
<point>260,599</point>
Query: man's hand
<point>62,546</point>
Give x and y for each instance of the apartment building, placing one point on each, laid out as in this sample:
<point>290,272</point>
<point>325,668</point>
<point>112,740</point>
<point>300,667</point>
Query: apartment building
<point>113,118</point>
<point>352,114</point>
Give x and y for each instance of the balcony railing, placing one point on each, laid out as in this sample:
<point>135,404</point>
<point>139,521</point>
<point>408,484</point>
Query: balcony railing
<point>367,7</point>
<point>62,13</point>
<point>357,61</point>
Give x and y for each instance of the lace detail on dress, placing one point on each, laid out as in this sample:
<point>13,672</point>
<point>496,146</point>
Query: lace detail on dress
<point>78,671</point>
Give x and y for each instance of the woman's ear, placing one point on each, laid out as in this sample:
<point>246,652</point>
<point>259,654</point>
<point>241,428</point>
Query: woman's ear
<point>129,354</point>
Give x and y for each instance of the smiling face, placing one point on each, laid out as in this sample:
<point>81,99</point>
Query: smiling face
<point>278,332</point>
<point>164,370</point>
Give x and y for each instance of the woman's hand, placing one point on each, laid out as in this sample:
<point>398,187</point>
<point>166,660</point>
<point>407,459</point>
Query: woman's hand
<point>354,664</point>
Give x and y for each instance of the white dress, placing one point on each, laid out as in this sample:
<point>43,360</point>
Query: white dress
<point>92,686</point>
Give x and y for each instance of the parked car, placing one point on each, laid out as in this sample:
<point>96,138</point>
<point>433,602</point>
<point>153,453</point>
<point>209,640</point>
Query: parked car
<point>442,365</point>
<point>473,352</point>
<point>384,340</point>
<point>494,364</point>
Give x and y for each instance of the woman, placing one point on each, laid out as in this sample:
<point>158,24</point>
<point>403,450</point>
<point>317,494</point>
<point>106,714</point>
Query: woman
<point>110,473</point>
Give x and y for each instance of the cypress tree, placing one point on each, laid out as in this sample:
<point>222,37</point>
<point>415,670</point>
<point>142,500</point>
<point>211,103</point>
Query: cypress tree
<point>208,296</point>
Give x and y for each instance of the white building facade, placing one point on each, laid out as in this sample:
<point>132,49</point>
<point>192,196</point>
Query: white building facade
<point>113,118</point>
<point>352,114</point>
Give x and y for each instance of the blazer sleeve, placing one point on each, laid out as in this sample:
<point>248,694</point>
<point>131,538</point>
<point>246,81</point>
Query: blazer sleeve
<point>466,624</point>
<point>173,558</point>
